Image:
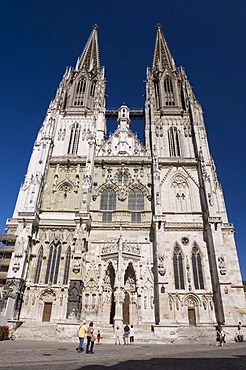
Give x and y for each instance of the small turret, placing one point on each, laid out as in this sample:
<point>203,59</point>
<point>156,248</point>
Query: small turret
<point>123,116</point>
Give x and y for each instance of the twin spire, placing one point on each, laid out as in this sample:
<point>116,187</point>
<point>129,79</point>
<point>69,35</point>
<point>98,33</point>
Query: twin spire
<point>89,59</point>
<point>162,59</point>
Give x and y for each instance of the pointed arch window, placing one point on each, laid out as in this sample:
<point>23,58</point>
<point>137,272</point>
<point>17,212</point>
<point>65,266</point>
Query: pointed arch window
<point>53,263</point>
<point>168,89</point>
<point>157,93</point>
<point>108,204</point>
<point>67,266</point>
<point>74,139</point>
<point>197,268</point>
<point>136,204</point>
<point>93,88</point>
<point>178,268</point>
<point>80,92</point>
<point>39,265</point>
<point>174,142</point>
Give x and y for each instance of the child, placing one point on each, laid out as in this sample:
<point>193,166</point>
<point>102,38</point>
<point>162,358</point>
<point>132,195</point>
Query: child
<point>98,337</point>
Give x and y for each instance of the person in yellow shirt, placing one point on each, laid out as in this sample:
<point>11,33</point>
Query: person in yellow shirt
<point>82,329</point>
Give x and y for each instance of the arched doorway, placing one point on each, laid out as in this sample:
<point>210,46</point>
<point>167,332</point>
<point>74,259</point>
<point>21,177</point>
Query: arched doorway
<point>192,316</point>
<point>47,311</point>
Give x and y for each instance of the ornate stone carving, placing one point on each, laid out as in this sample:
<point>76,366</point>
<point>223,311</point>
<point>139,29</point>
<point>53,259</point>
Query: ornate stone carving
<point>12,288</point>
<point>188,272</point>
<point>74,302</point>
<point>16,264</point>
<point>127,247</point>
<point>22,239</point>
<point>161,268</point>
<point>47,294</point>
<point>187,129</point>
<point>222,267</point>
<point>76,266</point>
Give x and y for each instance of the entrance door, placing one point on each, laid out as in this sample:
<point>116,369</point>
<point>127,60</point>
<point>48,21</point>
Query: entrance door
<point>47,311</point>
<point>126,314</point>
<point>192,316</point>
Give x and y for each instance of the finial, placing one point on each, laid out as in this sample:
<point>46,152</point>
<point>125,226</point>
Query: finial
<point>158,26</point>
<point>95,27</point>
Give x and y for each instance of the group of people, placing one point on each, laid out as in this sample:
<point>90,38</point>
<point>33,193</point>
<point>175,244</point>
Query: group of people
<point>83,332</point>
<point>128,334</point>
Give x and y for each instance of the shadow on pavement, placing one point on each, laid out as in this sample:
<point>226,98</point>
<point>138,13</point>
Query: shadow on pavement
<point>237,363</point>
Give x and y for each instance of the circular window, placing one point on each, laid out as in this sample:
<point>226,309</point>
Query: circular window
<point>185,241</point>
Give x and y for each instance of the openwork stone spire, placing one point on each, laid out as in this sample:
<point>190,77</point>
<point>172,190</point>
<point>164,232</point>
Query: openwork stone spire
<point>162,57</point>
<point>89,58</point>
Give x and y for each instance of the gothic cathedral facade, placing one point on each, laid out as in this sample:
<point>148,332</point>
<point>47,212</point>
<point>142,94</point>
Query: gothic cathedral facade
<point>114,230</point>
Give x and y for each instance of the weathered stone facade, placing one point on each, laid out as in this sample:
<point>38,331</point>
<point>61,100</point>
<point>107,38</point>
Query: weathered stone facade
<point>117,231</point>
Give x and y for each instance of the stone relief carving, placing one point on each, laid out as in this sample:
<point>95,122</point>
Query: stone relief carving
<point>187,129</point>
<point>188,273</point>
<point>47,294</point>
<point>67,184</point>
<point>179,182</point>
<point>161,268</point>
<point>159,130</point>
<point>23,239</point>
<point>207,301</point>
<point>16,264</point>
<point>61,299</point>
<point>127,247</point>
<point>222,267</point>
<point>12,288</point>
<point>76,266</point>
<point>122,182</point>
<point>34,296</point>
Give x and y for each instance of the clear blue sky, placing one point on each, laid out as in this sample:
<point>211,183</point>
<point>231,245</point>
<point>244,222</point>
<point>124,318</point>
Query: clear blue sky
<point>39,38</point>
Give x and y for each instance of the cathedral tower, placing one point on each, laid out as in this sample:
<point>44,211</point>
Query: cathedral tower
<point>117,231</point>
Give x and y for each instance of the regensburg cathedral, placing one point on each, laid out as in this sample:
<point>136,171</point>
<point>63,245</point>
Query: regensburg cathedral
<point>118,231</point>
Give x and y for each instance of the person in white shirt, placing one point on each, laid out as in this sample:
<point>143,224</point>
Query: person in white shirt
<point>131,335</point>
<point>117,335</point>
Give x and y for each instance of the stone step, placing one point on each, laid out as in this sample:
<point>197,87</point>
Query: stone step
<point>37,331</point>
<point>67,331</point>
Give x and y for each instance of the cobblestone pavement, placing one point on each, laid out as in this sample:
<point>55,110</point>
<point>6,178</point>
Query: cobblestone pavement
<point>27,355</point>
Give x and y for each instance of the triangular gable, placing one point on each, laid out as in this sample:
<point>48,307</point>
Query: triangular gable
<point>123,142</point>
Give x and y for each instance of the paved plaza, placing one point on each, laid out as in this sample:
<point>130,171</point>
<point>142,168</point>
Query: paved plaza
<point>39,355</point>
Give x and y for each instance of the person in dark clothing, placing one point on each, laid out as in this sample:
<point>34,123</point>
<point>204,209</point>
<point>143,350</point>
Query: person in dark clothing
<point>126,334</point>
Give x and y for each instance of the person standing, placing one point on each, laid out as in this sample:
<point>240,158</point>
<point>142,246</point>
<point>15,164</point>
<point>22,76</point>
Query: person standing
<point>98,337</point>
<point>222,338</point>
<point>117,335</point>
<point>81,335</point>
<point>126,334</point>
<point>90,339</point>
<point>131,335</point>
